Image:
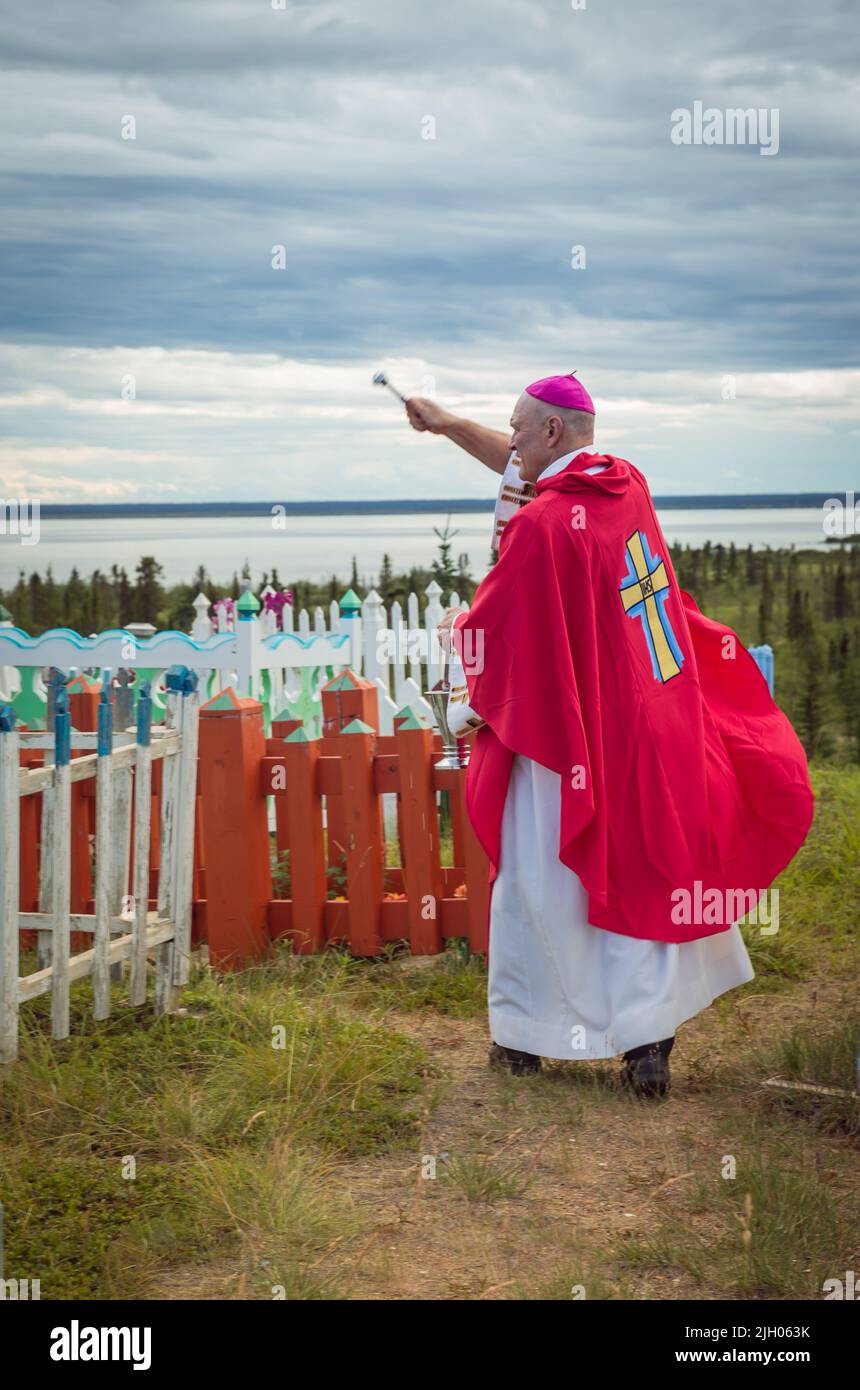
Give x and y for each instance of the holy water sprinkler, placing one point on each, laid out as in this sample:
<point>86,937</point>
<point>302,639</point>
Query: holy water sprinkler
<point>380,379</point>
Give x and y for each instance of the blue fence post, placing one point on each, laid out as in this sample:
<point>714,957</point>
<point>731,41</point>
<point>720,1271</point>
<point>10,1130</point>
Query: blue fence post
<point>9,885</point>
<point>143,813</point>
<point>172,969</point>
<point>763,658</point>
<point>105,717</point>
<point>102,972</point>
<point>62,869</point>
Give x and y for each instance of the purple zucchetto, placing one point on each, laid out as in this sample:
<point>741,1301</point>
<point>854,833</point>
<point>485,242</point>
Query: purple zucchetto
<point>565,391</point>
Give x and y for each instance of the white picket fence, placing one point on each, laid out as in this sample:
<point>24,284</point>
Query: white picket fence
<point>393,646</point>
<point>283,665</point>
<point>122,927</point>
<point>282,660</point>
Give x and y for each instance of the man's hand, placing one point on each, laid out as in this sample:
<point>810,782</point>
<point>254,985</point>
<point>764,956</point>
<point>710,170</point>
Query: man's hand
<point>424,414</point>
<point>443,631</point>
<point>492,447</point>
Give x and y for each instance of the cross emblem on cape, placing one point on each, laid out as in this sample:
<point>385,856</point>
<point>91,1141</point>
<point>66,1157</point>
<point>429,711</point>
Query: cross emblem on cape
<point>644,592</point>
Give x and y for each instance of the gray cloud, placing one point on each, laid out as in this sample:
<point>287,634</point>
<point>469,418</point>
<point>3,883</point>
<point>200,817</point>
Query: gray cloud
<point>302,126</point>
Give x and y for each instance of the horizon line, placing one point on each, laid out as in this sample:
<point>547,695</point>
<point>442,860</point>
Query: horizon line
<point>322,506</point>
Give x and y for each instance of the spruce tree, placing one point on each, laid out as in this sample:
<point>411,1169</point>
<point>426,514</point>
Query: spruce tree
<point>719,562</point>
<point>20,604</point>
<point>95,606</point>
<point>126,599</point>
<point>765,607</point>
<point>841,595</point>
<point>386,579</point>
<point>51,602</point>
<point>149,593</point>
<point>443,569</point>
<point>36,606</point>
<point>465,582</point>
<point>849,689</point>
<point>815,713</point>
<point>75,603</point>
<point>796,618</point>
<point>790,577</point>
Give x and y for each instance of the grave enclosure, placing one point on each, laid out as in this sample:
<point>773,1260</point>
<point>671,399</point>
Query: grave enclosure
<point>164,839</point>
<point>237,787</point>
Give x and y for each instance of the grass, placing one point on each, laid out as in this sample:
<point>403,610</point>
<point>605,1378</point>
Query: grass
<point>481,1179</point>
<point>820,888</point>
<point>822,1057</point>
<point>143,1155</point>
<point>772,1211</point>
<point>453,984</point>
<point>244,1097</point>
<point>769,1232</point>
<point>829,1060</point>
<point>819,892</point>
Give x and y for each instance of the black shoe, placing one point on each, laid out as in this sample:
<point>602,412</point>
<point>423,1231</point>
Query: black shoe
<point>646,1069</point>
<point>517,1063</point>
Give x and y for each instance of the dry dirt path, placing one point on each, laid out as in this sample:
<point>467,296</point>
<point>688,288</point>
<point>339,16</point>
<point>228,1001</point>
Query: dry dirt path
<point>598,1166</point>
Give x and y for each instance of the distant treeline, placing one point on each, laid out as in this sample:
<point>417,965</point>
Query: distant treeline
<point>392,506</point>
<point>114,599</point>
<point>806,604</point>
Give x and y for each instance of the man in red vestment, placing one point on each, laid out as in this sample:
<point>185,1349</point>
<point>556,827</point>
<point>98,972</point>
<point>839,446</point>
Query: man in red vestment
<point>638,735</point>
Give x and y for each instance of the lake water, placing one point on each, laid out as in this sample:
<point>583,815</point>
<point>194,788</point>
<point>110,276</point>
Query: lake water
<point>315,547</point>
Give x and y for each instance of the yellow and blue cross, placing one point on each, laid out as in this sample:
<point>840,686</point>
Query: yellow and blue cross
<point>644,593</point>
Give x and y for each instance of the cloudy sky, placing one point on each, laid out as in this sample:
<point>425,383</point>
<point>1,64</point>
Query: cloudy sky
<point>428,170</point>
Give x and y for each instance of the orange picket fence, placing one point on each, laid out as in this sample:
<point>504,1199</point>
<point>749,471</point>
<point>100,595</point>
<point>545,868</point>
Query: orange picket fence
<point>329,837</point>
<point>340,887</point>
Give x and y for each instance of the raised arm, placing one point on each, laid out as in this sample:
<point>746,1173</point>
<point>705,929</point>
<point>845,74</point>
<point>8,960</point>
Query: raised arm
<point>491,447</point>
